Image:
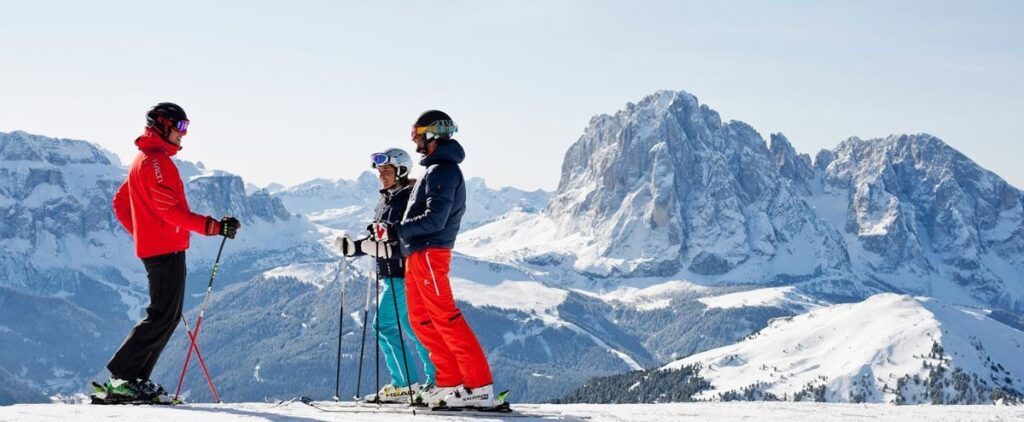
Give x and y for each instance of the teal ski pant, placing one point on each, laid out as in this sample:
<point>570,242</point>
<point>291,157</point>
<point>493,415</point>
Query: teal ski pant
<point>386,323</point>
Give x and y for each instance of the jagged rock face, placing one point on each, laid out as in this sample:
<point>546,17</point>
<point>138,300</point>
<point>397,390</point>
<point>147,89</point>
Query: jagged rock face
<point>670,187</point>
<point>69,183</point>
<point>225,195</point>
<point>51,189</point>
<point>921,206</point>
<point>791,165</point>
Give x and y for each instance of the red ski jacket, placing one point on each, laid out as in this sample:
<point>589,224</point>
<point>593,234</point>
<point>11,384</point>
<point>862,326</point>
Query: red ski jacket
<point>151,203</point>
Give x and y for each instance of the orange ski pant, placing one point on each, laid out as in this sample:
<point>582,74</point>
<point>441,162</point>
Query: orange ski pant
<point>438,323</point>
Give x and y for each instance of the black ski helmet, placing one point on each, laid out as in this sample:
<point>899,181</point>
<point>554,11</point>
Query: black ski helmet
<point>435,124</point>
<point>164,115</point>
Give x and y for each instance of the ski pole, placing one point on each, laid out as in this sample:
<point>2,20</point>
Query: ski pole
<point>194,335</point>
<point>401,337</point>
<point>202,363</point>
<point>362,341</point>
<point>341,320</point>
<point>376,319</point>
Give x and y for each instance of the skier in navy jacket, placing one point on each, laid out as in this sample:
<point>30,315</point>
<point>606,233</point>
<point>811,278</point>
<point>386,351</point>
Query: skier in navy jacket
<point>427,234</point>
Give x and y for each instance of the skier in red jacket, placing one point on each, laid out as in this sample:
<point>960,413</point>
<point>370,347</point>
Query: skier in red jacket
<point>151,206</point>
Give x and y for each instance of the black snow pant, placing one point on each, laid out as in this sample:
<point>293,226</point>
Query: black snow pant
<point>140,351</point>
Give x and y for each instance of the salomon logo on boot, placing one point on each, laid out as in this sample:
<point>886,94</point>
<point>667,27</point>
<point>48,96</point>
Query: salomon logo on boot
<point>480,397</point>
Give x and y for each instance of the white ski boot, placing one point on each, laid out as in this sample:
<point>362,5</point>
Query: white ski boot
<point>391,394</point>
<point>432,394</point>
<point>477,398</point>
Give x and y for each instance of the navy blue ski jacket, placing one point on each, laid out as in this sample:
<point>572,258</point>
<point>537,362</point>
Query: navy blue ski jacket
<point>437,201</point>
<point>390,209</point>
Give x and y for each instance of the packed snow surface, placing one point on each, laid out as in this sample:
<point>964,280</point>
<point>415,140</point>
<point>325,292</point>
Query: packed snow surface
<point>734,411</point>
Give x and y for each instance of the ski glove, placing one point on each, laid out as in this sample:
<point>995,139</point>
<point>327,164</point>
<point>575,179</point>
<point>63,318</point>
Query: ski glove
<point>346,246</point>
<point>227,227</point>
<point>378,249</point>
<point>384,232</point>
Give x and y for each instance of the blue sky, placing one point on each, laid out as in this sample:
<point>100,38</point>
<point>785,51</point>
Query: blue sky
<point>290,91</point>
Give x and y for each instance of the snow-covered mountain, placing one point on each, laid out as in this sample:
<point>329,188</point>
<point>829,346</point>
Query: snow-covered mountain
<point>349,204</point>
<point>55,197</point>
<point>922,217</point>
<point>663,189</point>
<point>887,349</point>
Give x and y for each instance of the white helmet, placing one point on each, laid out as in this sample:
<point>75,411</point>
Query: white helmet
<point>395,157</point>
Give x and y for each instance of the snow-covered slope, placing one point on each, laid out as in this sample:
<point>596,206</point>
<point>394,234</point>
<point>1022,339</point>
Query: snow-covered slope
<point>888,349</point>
<point>720,412</point>
<point>786,297</point>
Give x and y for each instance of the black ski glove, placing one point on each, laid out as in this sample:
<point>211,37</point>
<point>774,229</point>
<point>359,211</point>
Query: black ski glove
<point>229,227</point>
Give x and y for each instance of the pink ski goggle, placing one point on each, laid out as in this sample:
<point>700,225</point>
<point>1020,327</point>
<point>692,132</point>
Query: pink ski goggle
<point>182,126</point>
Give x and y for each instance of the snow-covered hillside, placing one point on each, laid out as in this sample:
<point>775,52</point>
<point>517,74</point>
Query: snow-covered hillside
<point>888,349</point>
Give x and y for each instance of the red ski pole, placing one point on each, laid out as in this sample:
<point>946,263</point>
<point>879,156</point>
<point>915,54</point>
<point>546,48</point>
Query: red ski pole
<point>193,335</point>
<point>202,363</point>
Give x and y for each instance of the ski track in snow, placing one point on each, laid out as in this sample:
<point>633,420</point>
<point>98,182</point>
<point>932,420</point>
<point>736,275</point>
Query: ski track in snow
<point>735,411</point>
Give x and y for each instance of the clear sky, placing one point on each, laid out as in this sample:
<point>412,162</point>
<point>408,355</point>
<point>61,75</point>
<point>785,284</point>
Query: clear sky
<point>290,91</point>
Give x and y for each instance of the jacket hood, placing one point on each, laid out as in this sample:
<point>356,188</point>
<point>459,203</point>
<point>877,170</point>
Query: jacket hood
<point>447,150</point>
<point>152,141</point>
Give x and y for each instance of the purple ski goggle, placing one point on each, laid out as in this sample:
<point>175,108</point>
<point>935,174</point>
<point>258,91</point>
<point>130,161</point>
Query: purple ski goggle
<point>182,126</point>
